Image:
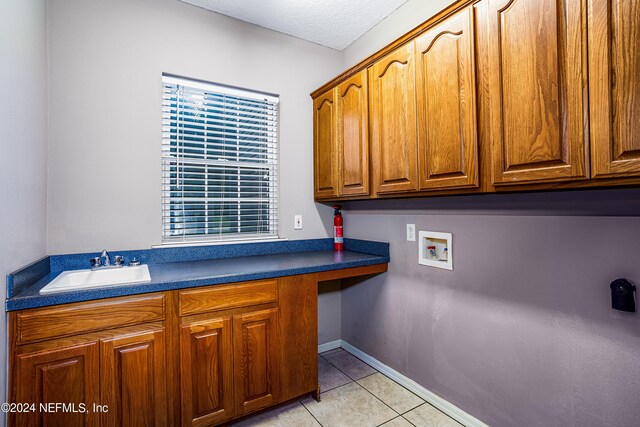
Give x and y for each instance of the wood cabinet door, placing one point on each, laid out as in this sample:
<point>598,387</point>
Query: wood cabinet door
<point>446,89</point>
<point>614,85</point>
<point>206,374</point>
<point>256,360</point>
<point>536,88</point>
<point>133,379</point>
<point>325,146</point>
<point>353,135</point>
<point>394,122</point>
<point>68,375</point>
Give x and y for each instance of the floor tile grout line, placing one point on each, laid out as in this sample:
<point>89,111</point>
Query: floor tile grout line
<point>313,416</point>
<point>335,388</point>
<point>415,407</point>
<point>412,409</point>
<point>344,373</point>
<point>348,376</point>
<point>383,402</point>
<point>373,373</point>
<point>338,386</point>
<point>424,402</point>
<point>356,381</point>
<point>404,418</point>
<point>351,380</point>
<point>446,415</point>
<point>394,418</point>
<point>368,375</point>
<point>374,396</point>
<point>399,413</point>
<point>376,371</point>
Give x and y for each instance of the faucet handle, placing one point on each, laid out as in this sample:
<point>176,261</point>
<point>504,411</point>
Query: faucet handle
<point>96,262</point>
<point>134,262</point>
<point>118,260</point>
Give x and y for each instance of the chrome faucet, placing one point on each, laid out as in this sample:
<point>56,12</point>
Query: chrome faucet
<point>106,259</point>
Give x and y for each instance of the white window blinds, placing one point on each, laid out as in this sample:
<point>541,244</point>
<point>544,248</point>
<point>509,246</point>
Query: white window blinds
<point>219,162</point>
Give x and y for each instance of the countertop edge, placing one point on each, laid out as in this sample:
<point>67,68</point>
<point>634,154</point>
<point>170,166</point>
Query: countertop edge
<point>36,301</point>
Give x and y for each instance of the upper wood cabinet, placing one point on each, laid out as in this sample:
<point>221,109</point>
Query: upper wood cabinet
<point>446,91</point>
<point>537,90</point>
<point>353,135</point>
<point>489,96</point>
<point>325,146</point>
<point>394,122</point>
<point>614,85</point>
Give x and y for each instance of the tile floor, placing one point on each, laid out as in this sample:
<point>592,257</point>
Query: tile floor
<point>353,395</point>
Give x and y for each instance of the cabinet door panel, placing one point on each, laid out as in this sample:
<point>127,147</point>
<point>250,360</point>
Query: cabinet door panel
<point>614,79</point>
<point>133,379</point>
<point>325,145</point>
<point>353,135</point>
<point>256,360</point>
<point>206,372</point>
<point>62,375</point>
<point>394,121</point>
<point>446,88</point>
<point>536,71</point>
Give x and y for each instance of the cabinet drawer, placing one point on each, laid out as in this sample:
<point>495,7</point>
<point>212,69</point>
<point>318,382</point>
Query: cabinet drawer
<point>91,316</point>
<point>222,297</point>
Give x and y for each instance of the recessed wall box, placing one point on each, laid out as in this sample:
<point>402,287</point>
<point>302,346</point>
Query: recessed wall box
<point>431,252</point>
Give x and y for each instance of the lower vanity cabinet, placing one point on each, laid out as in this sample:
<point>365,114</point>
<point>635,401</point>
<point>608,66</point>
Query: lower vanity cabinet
<point>230,357</point>
<point>196,357</point>
<point>112,378</point>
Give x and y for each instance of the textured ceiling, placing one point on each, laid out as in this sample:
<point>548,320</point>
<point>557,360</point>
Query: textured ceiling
<point>332,23</point>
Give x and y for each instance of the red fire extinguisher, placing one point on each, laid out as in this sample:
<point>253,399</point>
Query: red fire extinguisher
<point>338,236</point>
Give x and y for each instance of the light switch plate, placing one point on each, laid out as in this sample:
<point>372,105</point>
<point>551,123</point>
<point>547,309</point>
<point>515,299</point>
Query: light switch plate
<point>411,232</point>
<point>297,222</point>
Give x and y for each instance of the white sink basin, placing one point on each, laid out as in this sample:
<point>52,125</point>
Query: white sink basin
<point>88,279</point>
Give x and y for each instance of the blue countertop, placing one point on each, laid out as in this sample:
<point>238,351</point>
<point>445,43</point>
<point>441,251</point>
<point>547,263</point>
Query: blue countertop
<point>185,273</point>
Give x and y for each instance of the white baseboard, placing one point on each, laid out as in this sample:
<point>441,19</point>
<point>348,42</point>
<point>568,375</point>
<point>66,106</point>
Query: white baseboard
<point>329,346</point>
<point>430,397</point>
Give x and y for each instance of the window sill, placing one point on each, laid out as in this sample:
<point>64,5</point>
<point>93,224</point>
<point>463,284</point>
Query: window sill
<point>217,243</point>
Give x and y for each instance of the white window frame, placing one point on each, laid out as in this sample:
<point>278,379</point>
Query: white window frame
<point>173,164</point>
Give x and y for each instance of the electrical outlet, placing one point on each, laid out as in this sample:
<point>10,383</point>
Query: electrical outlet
<point>411,232</point>
<point>297,222</point>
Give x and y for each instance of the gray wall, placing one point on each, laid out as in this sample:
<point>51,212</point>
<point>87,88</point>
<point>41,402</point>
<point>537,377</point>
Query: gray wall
<point>23,149</point>
<point>329,311</point>
<point>521,331</point>
<point>106,62</point>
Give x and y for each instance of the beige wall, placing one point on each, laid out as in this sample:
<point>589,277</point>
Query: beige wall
<point>106,61</point>
<point>23,149</point>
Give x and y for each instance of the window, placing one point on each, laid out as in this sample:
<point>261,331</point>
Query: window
<point>219,162</point>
